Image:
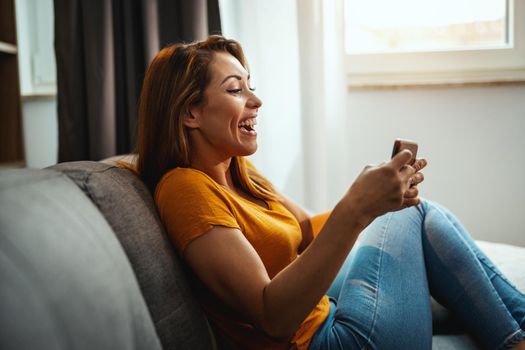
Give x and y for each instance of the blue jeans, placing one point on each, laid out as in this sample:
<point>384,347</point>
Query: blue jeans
<point>381,296</point>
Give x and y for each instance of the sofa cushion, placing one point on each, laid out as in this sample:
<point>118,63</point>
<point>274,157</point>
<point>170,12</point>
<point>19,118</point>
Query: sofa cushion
<point>65,281</point>
<point>453,342</point>
<point>129,209</point>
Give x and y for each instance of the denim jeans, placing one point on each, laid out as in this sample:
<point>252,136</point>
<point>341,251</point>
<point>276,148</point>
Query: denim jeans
<point>381,296</point>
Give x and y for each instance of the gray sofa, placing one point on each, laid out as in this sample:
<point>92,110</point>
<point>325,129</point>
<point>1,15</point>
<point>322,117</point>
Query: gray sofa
<point>85,264</point>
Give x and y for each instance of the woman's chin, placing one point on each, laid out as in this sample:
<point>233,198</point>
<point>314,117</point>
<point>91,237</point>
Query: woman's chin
<point>248,151</point>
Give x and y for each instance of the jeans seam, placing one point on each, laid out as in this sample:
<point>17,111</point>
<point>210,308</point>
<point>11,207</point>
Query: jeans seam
<point>483,261</point>
<point>480,258</point>
<point>497,273</point>
<point>372,326</point>
<point>517,335</point>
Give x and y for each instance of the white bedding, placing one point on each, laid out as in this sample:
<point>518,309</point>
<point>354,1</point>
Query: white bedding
<point>509,259</point>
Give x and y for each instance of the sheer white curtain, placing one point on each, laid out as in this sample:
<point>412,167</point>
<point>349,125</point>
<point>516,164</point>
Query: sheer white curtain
<point>295,52</point>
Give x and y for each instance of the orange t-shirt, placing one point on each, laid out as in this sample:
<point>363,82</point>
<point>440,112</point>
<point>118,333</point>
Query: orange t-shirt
<point>190,203</point>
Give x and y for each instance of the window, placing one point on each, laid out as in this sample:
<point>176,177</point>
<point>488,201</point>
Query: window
<point>413,42</point>
<point>36,50</point>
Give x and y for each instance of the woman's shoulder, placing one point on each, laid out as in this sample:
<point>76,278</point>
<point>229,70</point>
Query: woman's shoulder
<point>189,204</point>
<point>185,176</point>
<point>184,182</point>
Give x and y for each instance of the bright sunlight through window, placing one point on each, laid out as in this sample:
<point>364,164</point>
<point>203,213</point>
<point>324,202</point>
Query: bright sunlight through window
<point>385,26</point>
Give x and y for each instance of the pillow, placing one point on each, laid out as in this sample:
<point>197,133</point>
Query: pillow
<point>65,281</point>
<point>129,208</point>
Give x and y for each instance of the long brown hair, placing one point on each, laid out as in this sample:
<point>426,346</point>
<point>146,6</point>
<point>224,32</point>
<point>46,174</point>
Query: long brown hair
<point>174,82</point>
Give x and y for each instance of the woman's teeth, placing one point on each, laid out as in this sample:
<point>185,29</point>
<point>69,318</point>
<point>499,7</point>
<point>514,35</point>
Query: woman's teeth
<point>248,126</point>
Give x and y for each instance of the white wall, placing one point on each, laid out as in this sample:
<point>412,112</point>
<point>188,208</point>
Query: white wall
<point>37,69</point>
<point>40,131</point>
<point>473,138</point>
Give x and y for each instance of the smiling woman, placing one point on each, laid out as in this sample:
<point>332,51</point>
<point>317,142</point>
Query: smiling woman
<point>179,96</point>
<point>222,126</point>
<point>174,104</point>
<point>264,276</point>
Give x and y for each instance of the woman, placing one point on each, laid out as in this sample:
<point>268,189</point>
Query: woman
<point>264,277</point>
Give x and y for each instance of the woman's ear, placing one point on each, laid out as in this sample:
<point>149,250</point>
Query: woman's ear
<point>191,119</point>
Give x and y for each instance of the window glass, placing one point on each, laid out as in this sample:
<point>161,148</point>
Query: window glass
<point>376,26</point>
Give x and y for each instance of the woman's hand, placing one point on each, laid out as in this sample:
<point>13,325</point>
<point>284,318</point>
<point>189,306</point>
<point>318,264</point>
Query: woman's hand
<point>411,196</point>
<point>383,188</point>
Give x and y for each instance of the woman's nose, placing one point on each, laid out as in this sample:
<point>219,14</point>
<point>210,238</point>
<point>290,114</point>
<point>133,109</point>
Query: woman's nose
<point>254,101</point>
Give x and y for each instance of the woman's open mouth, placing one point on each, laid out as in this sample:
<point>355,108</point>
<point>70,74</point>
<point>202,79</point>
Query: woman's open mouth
<point>248,126</point>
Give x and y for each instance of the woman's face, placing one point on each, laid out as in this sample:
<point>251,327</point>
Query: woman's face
<point>225,121</point>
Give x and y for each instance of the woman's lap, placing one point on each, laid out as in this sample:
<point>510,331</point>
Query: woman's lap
<point>373,309</point>
<point>381,295</point>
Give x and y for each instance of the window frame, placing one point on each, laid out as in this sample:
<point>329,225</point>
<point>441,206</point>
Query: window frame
<point>452,67</point>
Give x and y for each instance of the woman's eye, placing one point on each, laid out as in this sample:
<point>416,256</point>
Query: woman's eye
<point>234,91</point>
<point>239,90</point>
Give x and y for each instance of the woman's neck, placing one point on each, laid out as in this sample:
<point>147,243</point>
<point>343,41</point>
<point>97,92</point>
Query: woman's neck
<point>218,171</point>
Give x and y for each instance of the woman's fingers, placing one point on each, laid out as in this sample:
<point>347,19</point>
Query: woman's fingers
<point>412,192</point>
<point>411,196</point>
<point>417,179</point>
<point>420,164</point>
<point>401,159</point>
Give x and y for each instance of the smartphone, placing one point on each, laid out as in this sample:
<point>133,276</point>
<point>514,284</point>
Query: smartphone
<point>401,144</point>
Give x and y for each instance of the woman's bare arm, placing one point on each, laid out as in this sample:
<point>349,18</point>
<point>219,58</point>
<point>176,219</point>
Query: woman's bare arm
<point>311,224</point>
<point>227,263</point>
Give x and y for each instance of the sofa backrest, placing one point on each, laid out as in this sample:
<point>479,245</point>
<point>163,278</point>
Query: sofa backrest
<point>130,210</point>
<point>65,281</point>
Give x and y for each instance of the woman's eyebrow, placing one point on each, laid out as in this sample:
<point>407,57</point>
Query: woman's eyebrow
<point>238,77</point>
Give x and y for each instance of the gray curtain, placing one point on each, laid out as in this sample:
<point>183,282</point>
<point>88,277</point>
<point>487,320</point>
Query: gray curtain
<point>102,49</point>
